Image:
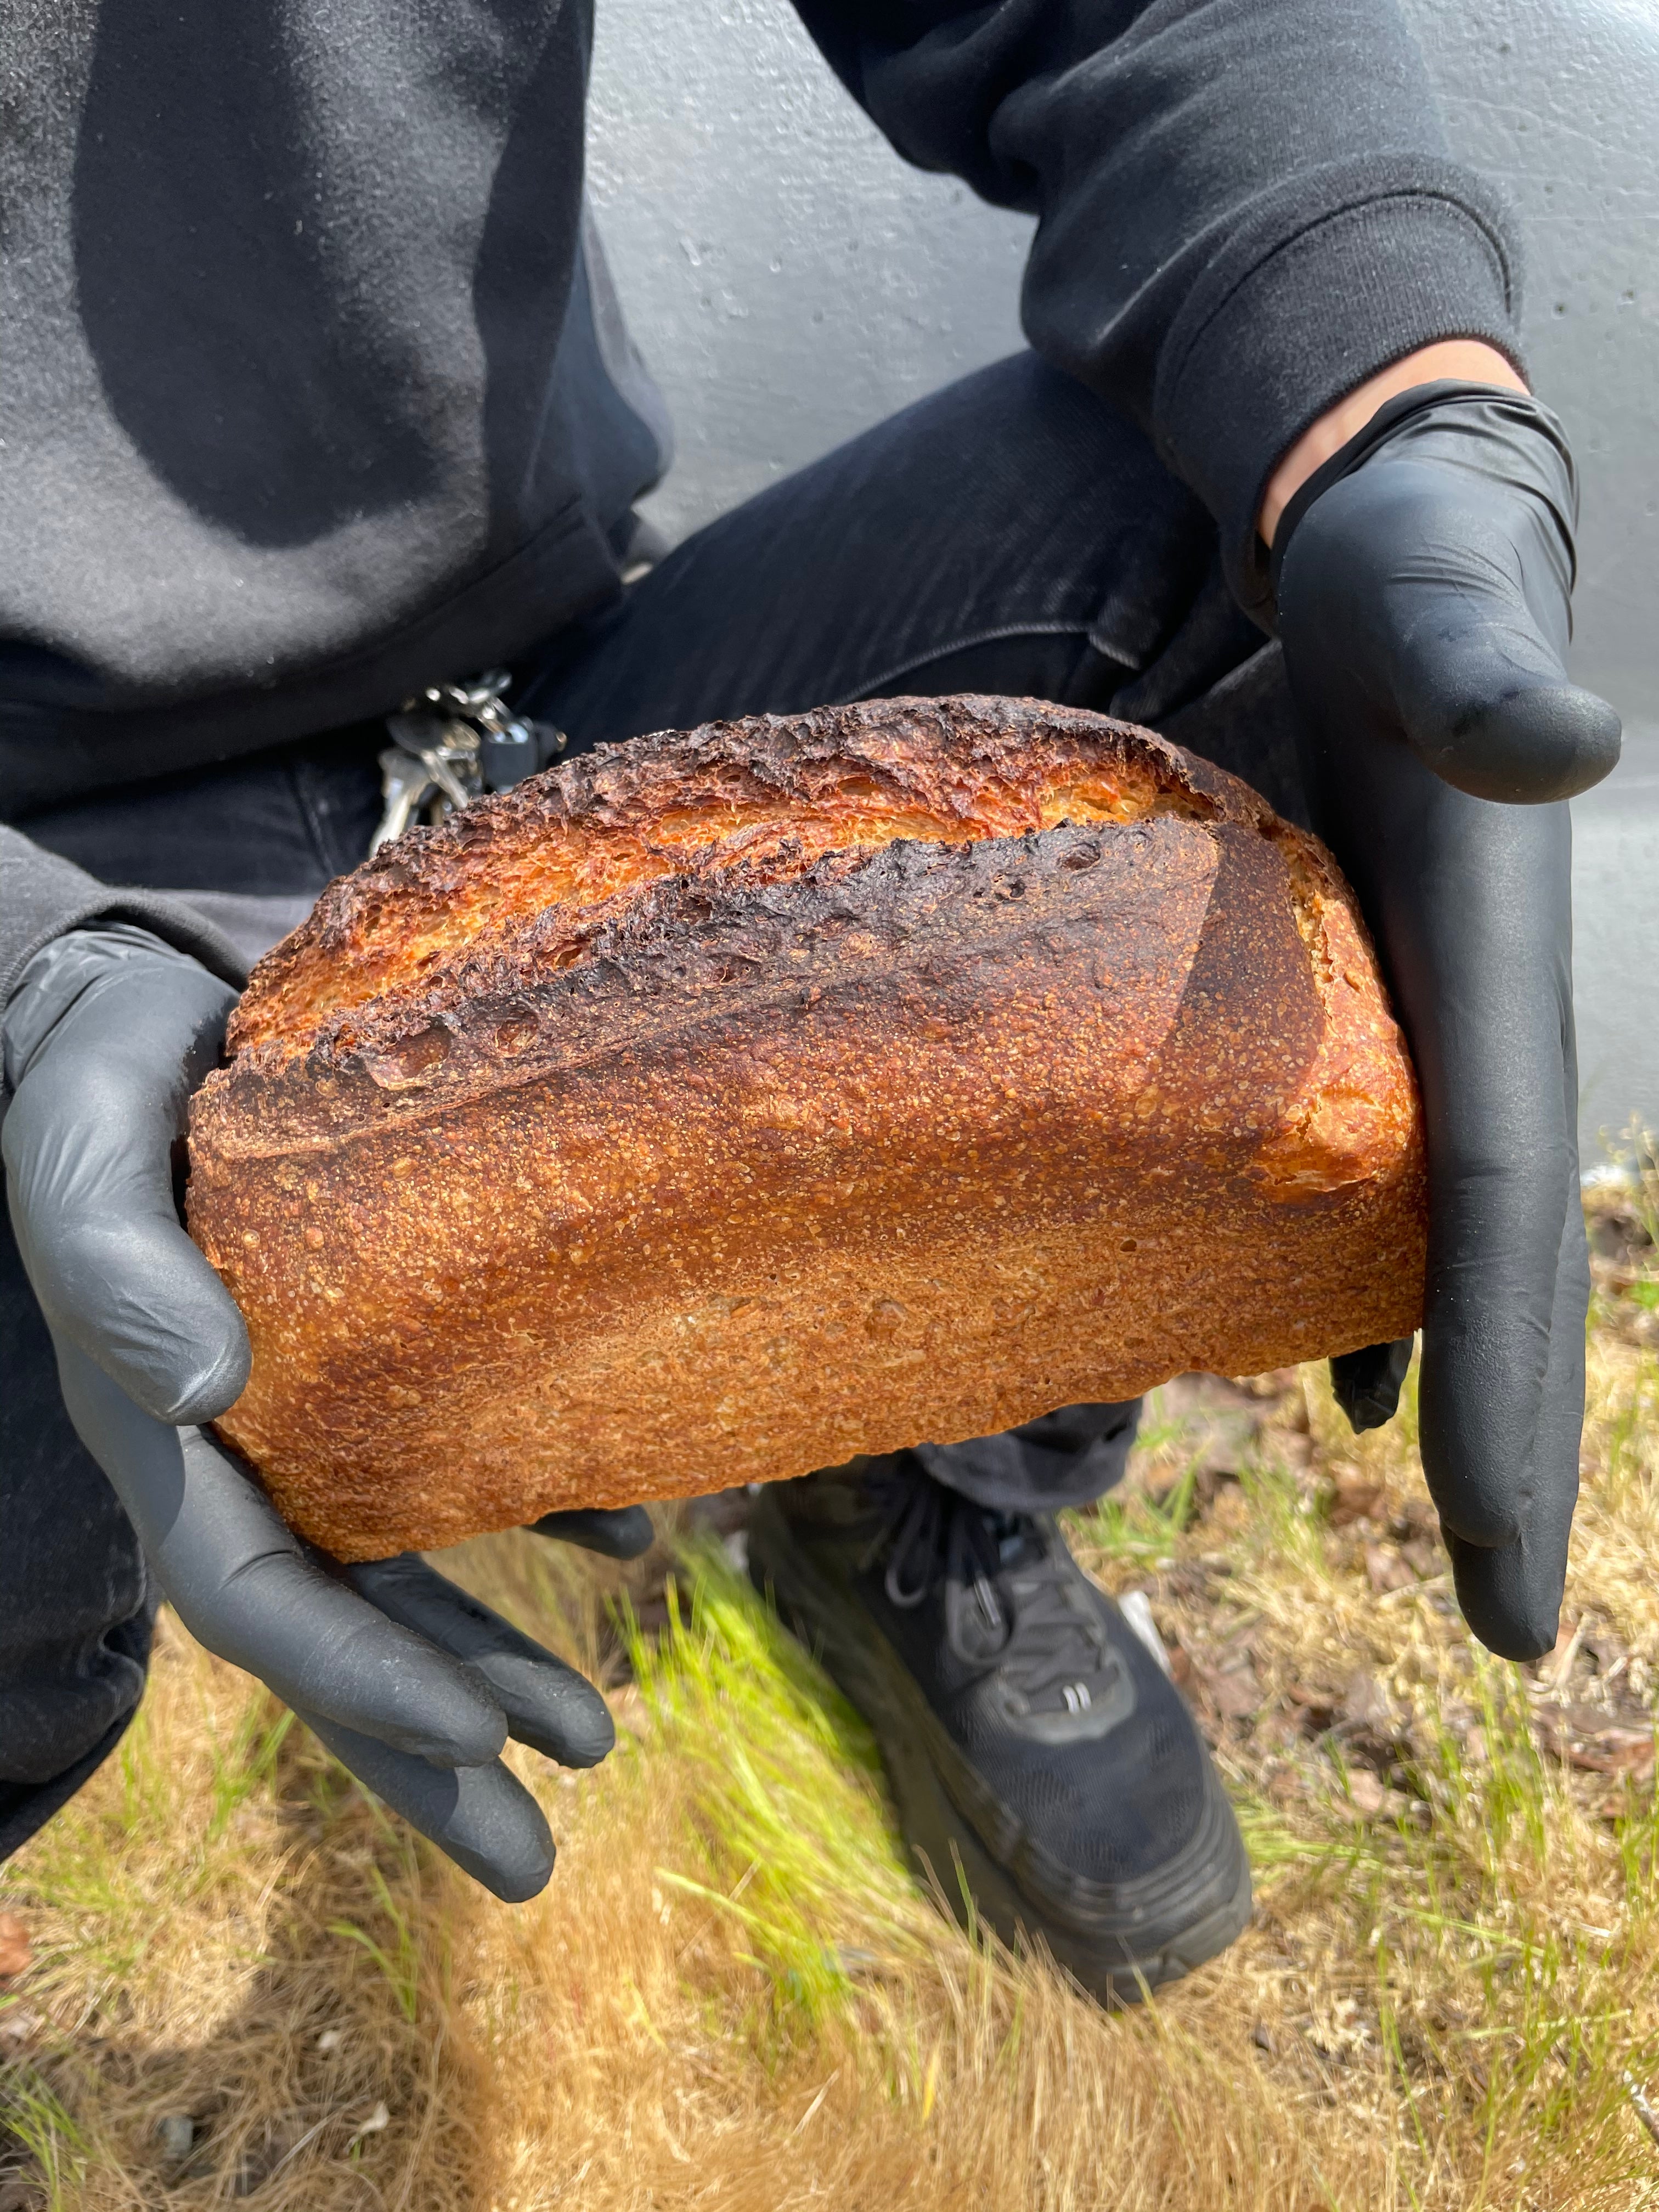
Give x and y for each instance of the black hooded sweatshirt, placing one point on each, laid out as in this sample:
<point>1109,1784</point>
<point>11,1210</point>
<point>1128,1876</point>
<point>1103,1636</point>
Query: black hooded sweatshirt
<point>313,387</point>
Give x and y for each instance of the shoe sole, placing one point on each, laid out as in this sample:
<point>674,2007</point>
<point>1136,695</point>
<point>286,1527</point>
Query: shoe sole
<point>1117,1941</point>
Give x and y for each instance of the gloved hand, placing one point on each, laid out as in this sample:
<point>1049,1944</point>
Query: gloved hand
<point>413,1684</point>
<point>1423,577</point>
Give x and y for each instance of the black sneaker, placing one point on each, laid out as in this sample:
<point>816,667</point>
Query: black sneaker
<point>1040,1758</point>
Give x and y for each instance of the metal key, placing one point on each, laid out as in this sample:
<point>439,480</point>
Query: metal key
<point>405,783</point>
<point>446,748</point>
<point>433,765</point>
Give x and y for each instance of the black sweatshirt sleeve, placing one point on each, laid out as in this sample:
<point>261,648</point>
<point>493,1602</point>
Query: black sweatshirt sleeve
<point>1245,207</point>
<point>41,895</point>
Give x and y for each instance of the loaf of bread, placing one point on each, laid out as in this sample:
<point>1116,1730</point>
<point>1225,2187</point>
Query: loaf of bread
<point>718,1106</point>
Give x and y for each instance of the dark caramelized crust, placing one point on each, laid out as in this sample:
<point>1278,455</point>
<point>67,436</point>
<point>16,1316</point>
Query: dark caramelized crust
<point>534,872</point>
<point>721,1104</point>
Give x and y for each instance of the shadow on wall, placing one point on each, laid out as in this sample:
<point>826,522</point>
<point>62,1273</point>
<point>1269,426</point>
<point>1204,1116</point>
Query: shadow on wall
<point>340,424</point>
<point>276,460</point>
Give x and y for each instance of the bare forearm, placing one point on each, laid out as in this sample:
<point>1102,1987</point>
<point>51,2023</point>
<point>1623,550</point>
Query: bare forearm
<point>1468,360</point>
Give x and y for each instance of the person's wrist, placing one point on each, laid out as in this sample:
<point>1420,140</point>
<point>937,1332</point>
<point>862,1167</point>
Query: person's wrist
<point>1464,360</point>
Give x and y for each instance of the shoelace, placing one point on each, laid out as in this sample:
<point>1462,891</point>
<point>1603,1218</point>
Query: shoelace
<point>1016,1586</point>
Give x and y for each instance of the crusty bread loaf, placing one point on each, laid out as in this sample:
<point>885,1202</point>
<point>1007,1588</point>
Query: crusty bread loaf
<point>717,1106</point>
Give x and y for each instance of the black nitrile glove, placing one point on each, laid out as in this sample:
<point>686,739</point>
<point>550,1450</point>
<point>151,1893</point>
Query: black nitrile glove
<point>1423,577</point>
<point>413,1684</point>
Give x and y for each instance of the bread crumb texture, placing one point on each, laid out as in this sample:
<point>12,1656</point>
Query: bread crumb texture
<point>721,1104</point>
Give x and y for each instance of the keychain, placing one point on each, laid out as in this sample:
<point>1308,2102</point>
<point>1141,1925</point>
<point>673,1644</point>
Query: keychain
<point>452,742</point>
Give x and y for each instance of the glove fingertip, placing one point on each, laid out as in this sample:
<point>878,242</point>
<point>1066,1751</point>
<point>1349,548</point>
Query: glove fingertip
<point>144,1302</point>
<point>453,1717</point>
<point>583,1735</point>
<point>1519,1640</point>
<point>217,1387</point>
<point>513,1886</point>
<point>495,1831</point>
<point>618,1533</point>
<point>1530,747</point>
<point>482,1817</point>
<point>1508,1601</point>
<point>1367,1384</point>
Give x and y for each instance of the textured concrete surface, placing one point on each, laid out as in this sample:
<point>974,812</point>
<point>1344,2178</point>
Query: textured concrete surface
<point>1616,953</point>
<point>791,281</point>
<point>788,278</point>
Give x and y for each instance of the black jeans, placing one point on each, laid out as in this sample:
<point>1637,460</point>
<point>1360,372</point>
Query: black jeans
<point>1009,535</point>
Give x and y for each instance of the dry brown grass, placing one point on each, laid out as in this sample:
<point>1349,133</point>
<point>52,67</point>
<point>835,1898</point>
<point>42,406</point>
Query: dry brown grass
<point>732,1995</point>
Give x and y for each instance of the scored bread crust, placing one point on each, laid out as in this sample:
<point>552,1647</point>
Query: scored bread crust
<point>720,1105</point>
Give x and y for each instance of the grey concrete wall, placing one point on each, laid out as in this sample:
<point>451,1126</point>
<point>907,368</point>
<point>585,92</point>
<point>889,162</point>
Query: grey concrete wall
<point>1558,97</point>
<point>1616,947</point>
<point>791,281</point>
